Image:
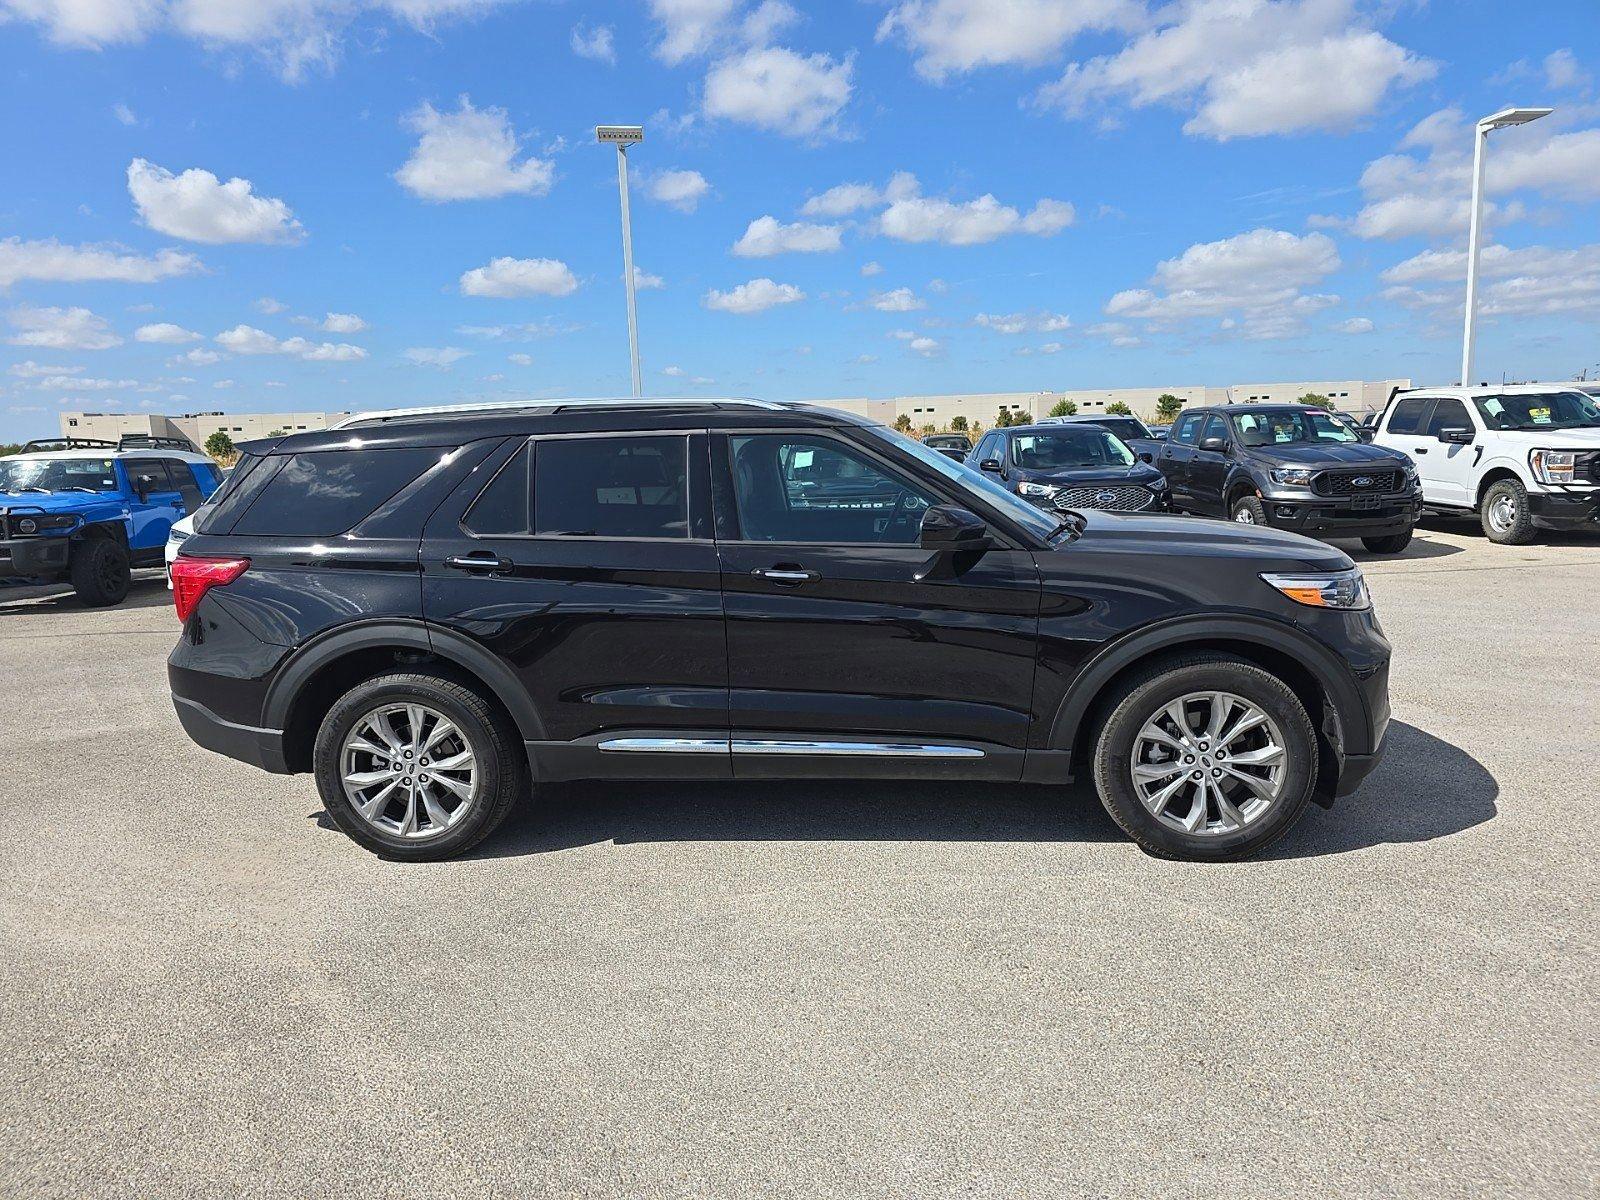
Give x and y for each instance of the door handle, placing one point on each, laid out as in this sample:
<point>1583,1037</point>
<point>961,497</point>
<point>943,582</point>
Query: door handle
<point>1420,450</point>
<point>785,575</point>
<point>479,561</point>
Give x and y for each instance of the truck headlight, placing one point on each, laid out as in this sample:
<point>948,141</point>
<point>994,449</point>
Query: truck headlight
<point>44,522</point>
<point>1324,589</point>
<point>1554,466</point>
<point>1293,476</point>
<point>1028,488</point>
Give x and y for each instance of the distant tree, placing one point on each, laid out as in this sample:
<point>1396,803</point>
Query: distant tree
<point>1002,419</point>
<point>1063,408</point>
<point>1119,409</point>
<point>10,448</point>
<point>1168,407</point>
<point>220,445</point>
<point>929,428</point>
<point>958,424</point>
<point>1316,400</point>
<point>903,422</point>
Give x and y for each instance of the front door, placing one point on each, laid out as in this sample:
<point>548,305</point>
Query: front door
<point>851,650</point>
<point>587,565</point>
<point>158,502</point>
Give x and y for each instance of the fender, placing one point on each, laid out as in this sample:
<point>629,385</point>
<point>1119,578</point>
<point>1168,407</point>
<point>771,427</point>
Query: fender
<point>452,647</point>
<point>1328,670</point>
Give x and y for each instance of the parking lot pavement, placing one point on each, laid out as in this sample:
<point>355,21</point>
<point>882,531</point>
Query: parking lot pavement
<point>859,990</point>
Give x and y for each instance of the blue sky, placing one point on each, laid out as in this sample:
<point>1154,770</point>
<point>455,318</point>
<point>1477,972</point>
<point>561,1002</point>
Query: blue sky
<point>304,204</point>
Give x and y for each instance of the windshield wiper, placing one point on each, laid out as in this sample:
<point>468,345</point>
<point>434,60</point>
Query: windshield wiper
<point>31,488</point>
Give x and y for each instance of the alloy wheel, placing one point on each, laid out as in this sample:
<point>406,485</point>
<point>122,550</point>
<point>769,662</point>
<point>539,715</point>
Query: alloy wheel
<point>1209,763</point>
<point>408,771</point>
<point>1244,516</point>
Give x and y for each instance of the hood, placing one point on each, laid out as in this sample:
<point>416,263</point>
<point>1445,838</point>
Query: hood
<point>1195,536</point>
<point>1139,472</point>
<point>57,501</point>
<point>1326,454</point>
<point>1551,439</point>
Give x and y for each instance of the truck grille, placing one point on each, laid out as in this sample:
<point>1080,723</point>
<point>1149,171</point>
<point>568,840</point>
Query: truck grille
<point>1343,483</point>
<point>1124,497</point>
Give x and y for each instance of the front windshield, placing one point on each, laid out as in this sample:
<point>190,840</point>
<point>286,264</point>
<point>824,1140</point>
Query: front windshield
<point>1065,448</point>
<point>1124,427</point>
<point>1288,427</point>
<point>1539,410</point>
<point>1035,520</point>
<point>57,475</point>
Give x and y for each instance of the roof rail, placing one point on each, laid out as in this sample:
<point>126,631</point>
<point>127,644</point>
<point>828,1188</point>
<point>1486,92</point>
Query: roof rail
<point>552,406</point>
<point>68,443</point>
<point>152,441</point>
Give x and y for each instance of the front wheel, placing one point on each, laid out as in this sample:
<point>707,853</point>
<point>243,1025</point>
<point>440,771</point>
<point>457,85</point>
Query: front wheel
<point>1507,517</point>
<point>1389,543</point>
<point>101,573</point>
<point>1206,758</point>
<point>1247,510</point>
<point>416,767</point>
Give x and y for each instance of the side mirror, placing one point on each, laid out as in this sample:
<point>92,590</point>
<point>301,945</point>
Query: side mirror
<point>1364,433</point>
<point>1146,456</point>
<point>1459,437</point>
<point>946,527</point>
<point>989,464</point>
<point>143,485</point>
<point>1214,444</point>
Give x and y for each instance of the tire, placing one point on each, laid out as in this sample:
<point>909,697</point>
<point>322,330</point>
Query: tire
<point>497,778</point>
<point>1261,820</point>
<point>100,571</point>
<point>1247,510</point>
<point>1506,518</point>
<point>1389,543</point>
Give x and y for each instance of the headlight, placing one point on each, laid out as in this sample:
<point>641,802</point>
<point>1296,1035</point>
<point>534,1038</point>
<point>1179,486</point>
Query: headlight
<point>1027,488</point>
<point>1553,466</point>
<point>1157,483</point>
<point>44,522</point>
<point>1293,476</point>
<point>1324,589</point>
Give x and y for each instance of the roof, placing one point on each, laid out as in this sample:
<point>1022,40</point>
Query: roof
<point>1503,389</point>
<point>109,452</point>
<point>1087,418</point>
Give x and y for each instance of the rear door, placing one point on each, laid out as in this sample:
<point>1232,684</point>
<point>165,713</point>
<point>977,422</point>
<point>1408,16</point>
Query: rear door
<point>1175,454</point>
<point>851,650</point>
<point>1447,467</point>
<point>585,563</point>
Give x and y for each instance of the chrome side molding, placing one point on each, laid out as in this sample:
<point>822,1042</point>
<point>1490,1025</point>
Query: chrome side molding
<point>671,745</point>
<point>667,745</point>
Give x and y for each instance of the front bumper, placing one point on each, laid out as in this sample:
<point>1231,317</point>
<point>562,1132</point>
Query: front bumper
<point>34,557</point>
<point>1345,516</point>
<point>1565,510</point>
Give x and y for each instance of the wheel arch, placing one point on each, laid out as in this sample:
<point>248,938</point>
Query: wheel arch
<point>1492,476</point>
<point>307,686</point>
<point>1241,484</point>
<point>115,530</point>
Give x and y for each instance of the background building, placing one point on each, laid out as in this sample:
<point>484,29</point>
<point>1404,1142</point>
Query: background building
<point>197,427</point>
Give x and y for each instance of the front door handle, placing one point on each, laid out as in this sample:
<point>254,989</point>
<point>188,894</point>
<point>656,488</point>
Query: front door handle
<point>785,575</point>
<point>479,561</point>
<point>1420,450</point>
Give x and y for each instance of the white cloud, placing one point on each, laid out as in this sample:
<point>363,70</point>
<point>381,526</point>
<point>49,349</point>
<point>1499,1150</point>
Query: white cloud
<point>644,281</point>
<point>1562,73</point>
<point>60,329</point>
<point>198,207</point>
<point>32,370</point>
<point>898,300</point>
<point>767,236</point>
<point>756,296</point>
<point>1246,68</point>
<point>842,200</point>
<point>593,43</point>
<point>124,114</point>
<point>442,357</point>
<point>164,333</point>
<point>682,190</point>
<point>521,360</point>
<point>525,331</point>
<point>222,384</point>
<point>50,261</point>
<point>926,346</point>
<point>869,269</point>
<point>69,383</point>
<point>510,277</point>
<point>1530,281</point>
<point>932,219</point>
<point>246,339</point>
<point>470,154</point>
<point>1355,325</point>
<point>345,323</point>
<point>674,372</point>
<point>690,27</point>
<point>267,306</point>
<point>1013,323</point>
<point>779,90</point>
<point>961,35</point>
<point>198,357</point>
<point>1254,280</point>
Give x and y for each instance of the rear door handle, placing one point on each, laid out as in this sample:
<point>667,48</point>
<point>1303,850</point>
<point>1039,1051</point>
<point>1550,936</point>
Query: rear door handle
<point>785,575</point>
<point>479,561</point>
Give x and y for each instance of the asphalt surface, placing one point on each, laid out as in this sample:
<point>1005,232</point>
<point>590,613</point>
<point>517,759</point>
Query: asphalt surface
<point>847,990</point>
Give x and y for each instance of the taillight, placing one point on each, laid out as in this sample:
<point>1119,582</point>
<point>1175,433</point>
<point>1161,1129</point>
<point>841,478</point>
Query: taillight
<point>193,577</point>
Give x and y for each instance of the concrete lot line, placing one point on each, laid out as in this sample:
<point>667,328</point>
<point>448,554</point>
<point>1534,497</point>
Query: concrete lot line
<point>824,990</point>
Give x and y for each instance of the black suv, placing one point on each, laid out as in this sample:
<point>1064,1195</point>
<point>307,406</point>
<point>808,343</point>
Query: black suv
<point>1061,466</point>
<point>432,611</point>
<point>1291,467</point>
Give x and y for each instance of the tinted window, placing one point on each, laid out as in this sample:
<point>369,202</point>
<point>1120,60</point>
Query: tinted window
<point>328,492</point>
<point>149,473</point>
<point>1546,410</point>
<point>1123,427</point>
<point>1071,446</point>
<point>1186,429</point>
<point>233,494</point>
<point>502,508</point>
<point>1409,415</point>
<point>1215,427</point>
<point>183,479</point>
<point>1448,414</point>
<point>792,488</point>
<point>611,487</point>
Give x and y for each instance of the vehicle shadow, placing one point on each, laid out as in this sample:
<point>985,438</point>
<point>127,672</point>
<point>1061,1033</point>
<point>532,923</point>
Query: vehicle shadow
<point>1425,789</point>
<point>147,590</point>
<point>1420,548</point>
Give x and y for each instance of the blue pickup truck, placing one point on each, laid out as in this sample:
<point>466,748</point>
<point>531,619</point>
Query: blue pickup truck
<point>89,511</point>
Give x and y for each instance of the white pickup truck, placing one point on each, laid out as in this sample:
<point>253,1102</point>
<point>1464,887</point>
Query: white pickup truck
<point>1522,457</point>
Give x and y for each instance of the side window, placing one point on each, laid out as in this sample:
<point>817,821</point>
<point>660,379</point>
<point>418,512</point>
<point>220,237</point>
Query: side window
<point>183,478</point>
<point>1448,414</point>
<point>794,488</point>
<point>151,473</point>
<point>1186,428</point>
<point>330,491</point>
<point>1215,427</point>
<point>611,487</point>
<point>501,509</point>
<point>1409,415</point>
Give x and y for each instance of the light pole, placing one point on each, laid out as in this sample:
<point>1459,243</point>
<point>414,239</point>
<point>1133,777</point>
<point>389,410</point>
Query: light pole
<point>623,136</point>
<point>1500,120</point>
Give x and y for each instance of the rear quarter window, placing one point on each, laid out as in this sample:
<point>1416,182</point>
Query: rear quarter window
<point>329,492</point>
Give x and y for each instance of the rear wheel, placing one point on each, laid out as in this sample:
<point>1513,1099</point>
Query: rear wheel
<point>416,767</point>
<point>1206,758</point>
<point>1507,518</point>
<point>1389,543</point>
<point>100,571</point>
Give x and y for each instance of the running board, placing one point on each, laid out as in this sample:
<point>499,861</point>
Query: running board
<point>768,746</point>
